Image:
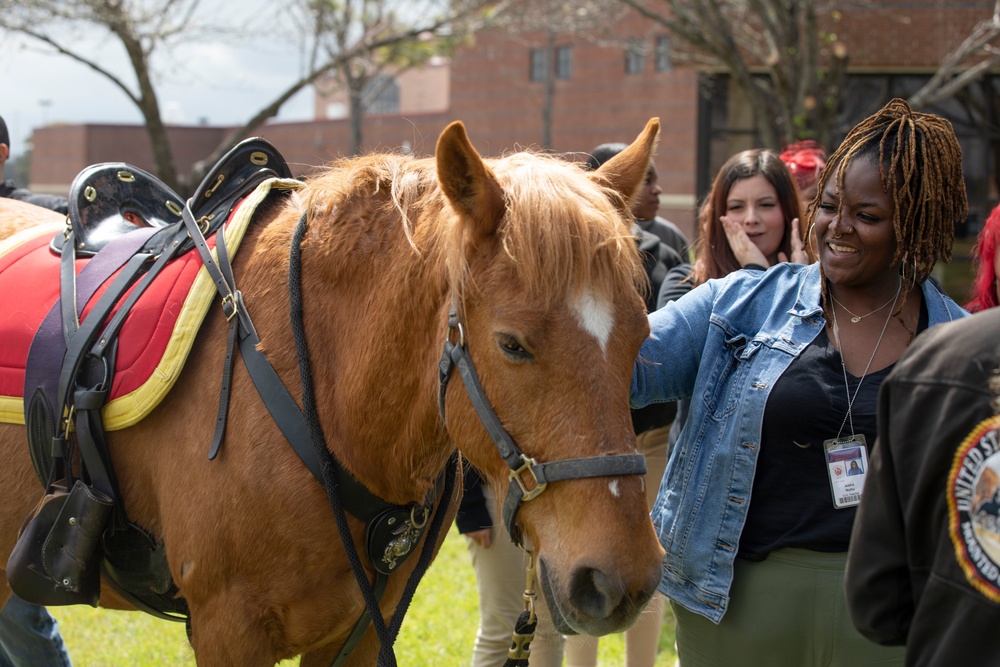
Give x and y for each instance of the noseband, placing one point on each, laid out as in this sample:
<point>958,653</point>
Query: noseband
<point>538,475</point>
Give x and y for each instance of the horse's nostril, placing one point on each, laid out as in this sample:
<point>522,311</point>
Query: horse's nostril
<point>593,593</point>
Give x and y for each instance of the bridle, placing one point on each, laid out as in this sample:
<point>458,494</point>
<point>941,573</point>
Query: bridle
<point>539,475</point>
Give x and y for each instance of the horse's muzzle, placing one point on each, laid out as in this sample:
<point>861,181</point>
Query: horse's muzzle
<point>595,602</point>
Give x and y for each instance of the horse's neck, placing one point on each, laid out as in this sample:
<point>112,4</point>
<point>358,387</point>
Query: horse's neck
<point>375,322</point>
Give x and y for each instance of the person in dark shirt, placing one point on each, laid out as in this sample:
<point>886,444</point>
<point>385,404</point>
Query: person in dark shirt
<point>9,190</point>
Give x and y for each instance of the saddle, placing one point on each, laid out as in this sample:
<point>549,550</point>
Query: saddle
<point>111,199</point>
<point>130,225</point>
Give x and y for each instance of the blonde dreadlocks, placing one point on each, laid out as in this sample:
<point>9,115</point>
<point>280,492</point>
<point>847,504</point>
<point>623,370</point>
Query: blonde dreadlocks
<point>920,163</point>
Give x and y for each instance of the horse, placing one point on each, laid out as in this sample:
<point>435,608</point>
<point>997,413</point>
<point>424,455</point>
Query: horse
<point>528,262</point>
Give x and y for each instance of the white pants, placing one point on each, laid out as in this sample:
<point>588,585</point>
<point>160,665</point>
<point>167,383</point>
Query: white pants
<point>500,577</point>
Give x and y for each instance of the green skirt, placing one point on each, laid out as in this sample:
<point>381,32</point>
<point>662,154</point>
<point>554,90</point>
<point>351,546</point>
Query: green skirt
<point>788,610</point>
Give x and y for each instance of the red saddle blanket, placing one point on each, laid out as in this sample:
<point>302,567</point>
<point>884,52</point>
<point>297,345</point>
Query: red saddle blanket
<point>157,334</point>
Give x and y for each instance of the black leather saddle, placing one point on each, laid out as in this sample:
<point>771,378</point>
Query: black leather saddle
<point>109,199</point>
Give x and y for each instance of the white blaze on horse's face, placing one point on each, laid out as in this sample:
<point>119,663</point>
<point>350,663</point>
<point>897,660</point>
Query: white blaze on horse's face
<point>596,316</point>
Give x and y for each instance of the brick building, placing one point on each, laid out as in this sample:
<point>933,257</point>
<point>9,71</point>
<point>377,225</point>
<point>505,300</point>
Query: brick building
<point>600,91</point>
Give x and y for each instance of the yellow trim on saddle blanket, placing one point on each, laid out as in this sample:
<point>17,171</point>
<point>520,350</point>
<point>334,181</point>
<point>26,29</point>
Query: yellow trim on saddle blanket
<point>129,409</point>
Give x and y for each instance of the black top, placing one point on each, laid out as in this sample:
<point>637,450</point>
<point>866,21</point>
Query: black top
<point>53,202</point>
<point>669,233</point>
<point>791,503</point>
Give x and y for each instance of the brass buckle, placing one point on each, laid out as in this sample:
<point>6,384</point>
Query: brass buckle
<point>516,476</point>
<point>229,306</point>
<point>68,422</point>
<point>424,514</point>
<point>204,223</point>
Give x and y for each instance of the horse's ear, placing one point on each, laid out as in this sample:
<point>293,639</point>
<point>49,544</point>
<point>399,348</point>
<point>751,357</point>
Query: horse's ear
<point>468,183</point>
<point>626,171</point>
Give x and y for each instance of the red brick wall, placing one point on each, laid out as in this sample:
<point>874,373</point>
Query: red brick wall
<point>905,34</point>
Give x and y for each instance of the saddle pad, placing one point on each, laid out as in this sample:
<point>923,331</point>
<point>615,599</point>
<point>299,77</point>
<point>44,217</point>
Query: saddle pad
<point>156,337</point>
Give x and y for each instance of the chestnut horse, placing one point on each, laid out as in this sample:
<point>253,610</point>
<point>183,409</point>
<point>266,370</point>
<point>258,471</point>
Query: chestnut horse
<point>535,257</point>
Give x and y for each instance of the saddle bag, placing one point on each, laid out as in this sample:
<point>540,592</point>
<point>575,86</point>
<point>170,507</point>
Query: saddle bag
<point>55,560</point>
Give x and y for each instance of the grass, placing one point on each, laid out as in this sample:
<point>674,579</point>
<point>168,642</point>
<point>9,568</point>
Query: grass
<point>439,629</point>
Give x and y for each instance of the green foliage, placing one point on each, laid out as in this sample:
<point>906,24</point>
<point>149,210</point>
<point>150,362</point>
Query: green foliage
<point>439,629</point>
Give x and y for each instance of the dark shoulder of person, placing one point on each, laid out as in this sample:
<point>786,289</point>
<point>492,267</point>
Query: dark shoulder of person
<point>676,284</point>
<point>671,235</point>
<point>650,244</point>
<point>657,260</point>
<point>53,202</point>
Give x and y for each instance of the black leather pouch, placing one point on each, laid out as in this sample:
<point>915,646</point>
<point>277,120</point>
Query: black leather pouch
<point>56,560</point>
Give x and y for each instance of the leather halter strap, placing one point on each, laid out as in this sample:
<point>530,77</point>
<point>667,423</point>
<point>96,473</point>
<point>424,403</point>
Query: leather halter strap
<point>454,356</point>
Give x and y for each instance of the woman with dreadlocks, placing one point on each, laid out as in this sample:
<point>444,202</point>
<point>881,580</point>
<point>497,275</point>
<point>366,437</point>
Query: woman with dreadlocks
<point>783,368</point>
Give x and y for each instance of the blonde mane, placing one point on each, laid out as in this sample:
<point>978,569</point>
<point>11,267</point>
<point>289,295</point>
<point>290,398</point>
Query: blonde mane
<point>560,227</point>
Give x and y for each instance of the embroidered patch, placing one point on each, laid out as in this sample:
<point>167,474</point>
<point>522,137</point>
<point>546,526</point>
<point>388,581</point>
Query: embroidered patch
<point>974,507</point>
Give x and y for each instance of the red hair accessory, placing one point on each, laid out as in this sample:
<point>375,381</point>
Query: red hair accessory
<point>805,159</point>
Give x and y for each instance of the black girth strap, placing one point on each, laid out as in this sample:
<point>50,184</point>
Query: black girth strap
<point>540,474</point>
<point>386,633</point>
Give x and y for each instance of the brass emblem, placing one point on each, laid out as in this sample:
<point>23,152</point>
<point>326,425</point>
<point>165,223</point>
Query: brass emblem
<point>407,536</point>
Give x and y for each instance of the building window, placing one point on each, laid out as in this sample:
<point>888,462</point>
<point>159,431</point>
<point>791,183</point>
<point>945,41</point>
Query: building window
<point>540,66</point>
<point>663,62</point>
<point>564,63</point>
<point>381,95</point>
<point>635,57</point>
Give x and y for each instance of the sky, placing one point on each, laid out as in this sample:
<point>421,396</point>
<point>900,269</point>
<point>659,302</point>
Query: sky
<point>217,82</point>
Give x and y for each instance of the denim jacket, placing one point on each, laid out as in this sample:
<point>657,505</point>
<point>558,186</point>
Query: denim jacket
<point>725,345</point>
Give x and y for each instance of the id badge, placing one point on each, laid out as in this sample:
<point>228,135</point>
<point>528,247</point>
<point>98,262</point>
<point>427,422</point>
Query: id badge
<point>847,467</point>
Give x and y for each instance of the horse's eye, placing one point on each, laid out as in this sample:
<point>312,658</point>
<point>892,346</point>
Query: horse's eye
<point>512,348</point>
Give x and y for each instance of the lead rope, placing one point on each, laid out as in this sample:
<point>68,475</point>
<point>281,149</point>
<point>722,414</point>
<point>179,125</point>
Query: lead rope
<point>524,629</point>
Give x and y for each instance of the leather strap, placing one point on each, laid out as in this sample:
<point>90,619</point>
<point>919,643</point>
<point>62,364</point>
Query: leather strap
<point>557,471</point>
<point>49,345</point>
<point>358,500</point>
<point>67,290</point>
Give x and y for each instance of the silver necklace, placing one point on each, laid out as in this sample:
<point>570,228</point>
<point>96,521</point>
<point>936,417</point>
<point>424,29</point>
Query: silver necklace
<point>843,366</point>
<point>857,318</point>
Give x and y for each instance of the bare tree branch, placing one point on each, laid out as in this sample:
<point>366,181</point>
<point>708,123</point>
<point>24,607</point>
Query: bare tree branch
<point>772,49</point>
<point>976,55</point>
<point>149,30</point>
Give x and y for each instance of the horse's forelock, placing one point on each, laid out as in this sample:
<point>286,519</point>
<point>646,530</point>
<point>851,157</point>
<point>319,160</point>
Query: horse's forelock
<point>562,230</point>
